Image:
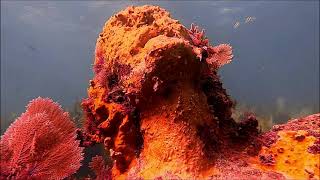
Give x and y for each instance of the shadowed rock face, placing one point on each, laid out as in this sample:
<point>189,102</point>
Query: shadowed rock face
<point>157,104</point>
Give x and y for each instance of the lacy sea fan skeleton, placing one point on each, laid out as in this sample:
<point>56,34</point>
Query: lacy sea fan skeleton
<point>40,144</point>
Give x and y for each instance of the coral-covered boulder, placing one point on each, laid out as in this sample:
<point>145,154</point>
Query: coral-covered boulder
<point>158,106</point>
<point>146,60</point>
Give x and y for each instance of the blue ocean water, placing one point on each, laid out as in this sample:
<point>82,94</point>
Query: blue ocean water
<point>47,50</point>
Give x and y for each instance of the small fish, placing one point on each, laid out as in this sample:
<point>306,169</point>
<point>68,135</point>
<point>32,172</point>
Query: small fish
<point>31,47</point>
<point>236,25</point>
<point>250,19</point>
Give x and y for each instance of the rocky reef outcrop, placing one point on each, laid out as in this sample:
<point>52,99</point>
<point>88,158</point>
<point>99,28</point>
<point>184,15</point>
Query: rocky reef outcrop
<point>159,107</point>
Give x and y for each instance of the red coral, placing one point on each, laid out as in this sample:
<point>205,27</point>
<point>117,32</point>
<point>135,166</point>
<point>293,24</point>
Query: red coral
<point>198,38</point>
<point>99,167</point>
<point>215,56</point>
<point>40,144</point>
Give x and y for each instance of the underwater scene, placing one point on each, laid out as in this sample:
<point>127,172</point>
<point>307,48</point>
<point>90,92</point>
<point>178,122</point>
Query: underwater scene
<point>160,90</point>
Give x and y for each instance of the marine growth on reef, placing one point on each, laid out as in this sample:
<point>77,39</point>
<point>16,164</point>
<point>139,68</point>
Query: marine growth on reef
<point>158,106</point>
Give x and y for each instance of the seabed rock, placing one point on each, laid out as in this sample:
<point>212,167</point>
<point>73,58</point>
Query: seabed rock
<point>158,105</point>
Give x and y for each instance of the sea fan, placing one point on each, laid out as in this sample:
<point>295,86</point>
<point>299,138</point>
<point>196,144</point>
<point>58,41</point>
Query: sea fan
<point>40,144</point>
<point>219,55</point>
<point>99,167</point>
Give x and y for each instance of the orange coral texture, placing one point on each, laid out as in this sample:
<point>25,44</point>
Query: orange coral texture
<point>148,106</point>
<point>293,150</point>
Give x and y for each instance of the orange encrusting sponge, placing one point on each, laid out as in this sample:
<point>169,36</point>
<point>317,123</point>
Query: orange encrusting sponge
<point>290,155</point>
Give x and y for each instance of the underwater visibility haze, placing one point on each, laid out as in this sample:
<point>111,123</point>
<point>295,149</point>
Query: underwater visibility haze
<point>47,50</point>
<point>172,89</point>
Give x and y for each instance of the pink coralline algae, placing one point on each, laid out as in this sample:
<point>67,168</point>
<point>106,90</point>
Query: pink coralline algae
<point>40,144</point>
